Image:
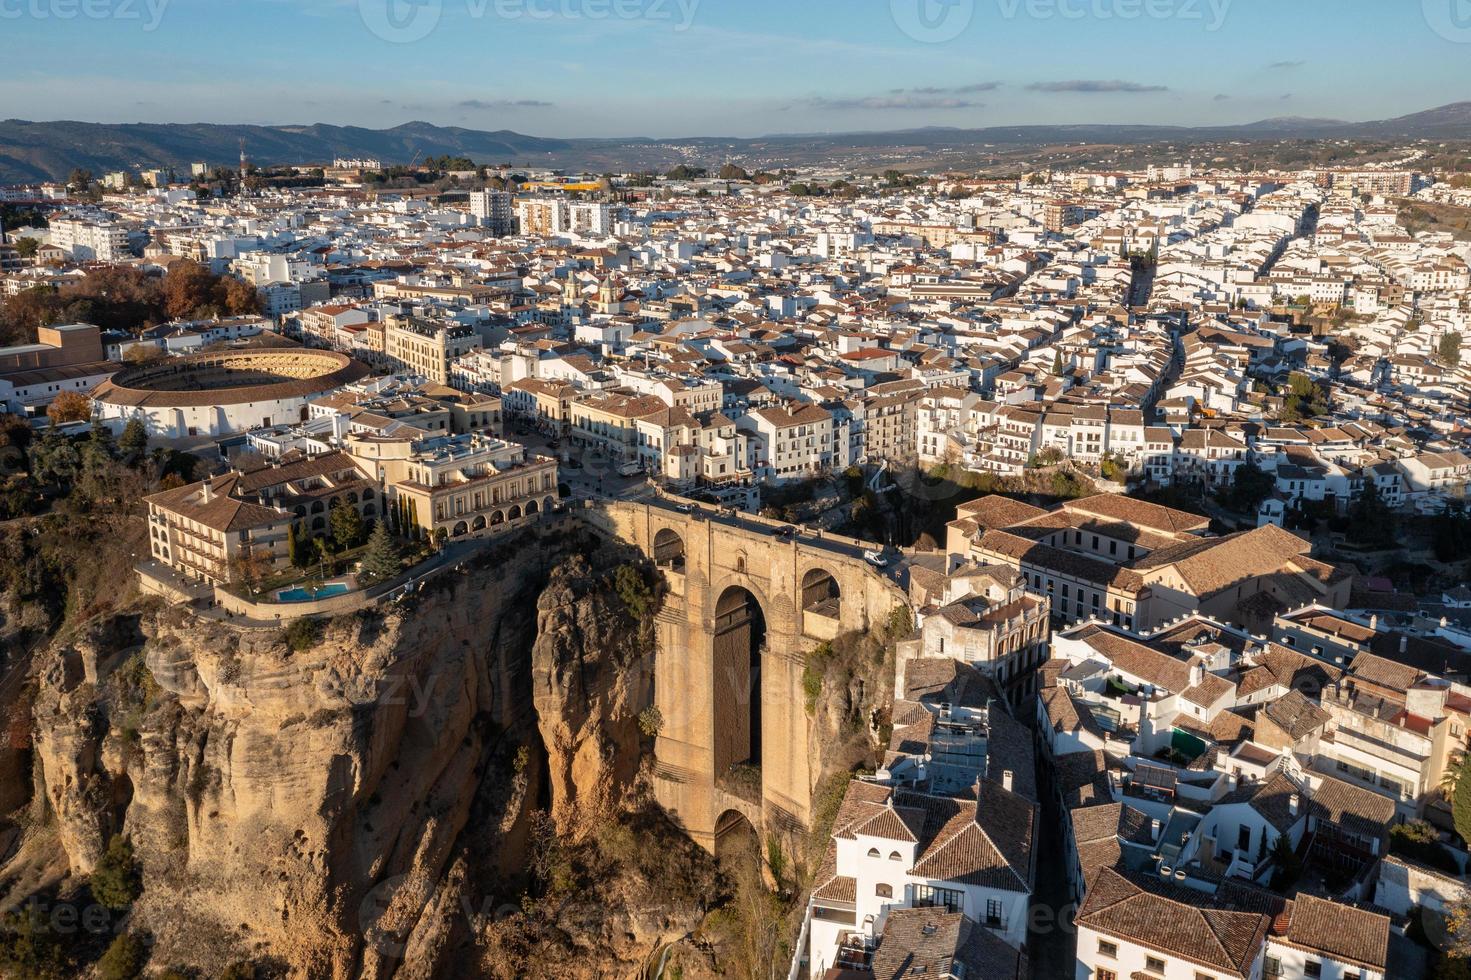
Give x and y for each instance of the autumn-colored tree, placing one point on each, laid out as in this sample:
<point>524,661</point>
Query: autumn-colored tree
<point>238,297</point>
<point>69,406</point>
<point>188,287</point>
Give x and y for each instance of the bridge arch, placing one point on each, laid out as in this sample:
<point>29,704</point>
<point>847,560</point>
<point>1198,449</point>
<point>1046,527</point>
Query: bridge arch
<point>736,838</point>
<point>668,549</point>
<point>739,630</point>
<point>820,586</point>
<point>821,605</point>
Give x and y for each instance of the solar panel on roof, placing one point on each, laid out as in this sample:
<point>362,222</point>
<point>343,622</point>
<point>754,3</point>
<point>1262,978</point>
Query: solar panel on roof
<point>1156,777</point>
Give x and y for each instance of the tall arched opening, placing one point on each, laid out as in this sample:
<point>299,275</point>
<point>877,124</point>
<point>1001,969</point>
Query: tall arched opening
<point>740,638</point>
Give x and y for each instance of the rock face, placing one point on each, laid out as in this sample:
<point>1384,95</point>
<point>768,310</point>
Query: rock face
<point>339,808</point>
<point>592,673</point>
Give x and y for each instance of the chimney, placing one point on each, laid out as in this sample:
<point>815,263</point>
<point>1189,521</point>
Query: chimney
<point>1294,803</point>
<point>1404,643</point>
<point>1006,778</point>
<point>1154,830</point>
<point>1374,622</point>
<point>208,489</point>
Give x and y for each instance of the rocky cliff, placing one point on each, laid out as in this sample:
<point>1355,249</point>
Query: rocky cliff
<point>361,802</point>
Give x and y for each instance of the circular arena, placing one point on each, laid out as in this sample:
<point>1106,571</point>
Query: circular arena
<point>224,393</point>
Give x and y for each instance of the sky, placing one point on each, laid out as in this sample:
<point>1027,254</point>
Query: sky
<point>669,68</point>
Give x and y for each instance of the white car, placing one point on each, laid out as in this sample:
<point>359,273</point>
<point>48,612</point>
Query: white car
<point>875,559</point>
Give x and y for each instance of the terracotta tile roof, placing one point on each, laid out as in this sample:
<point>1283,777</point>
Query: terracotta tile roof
<point>1272,800</point>
<point>860,803</point>
<point>1295,715</point>
<point>998,512</point>
<point>1361,811</point>
<point>1176,925</point>
<point>931,944</point>
<point>1139,512</point>
<point>893,823</point>
<point>1138,660</point>
<point>1065,714</point>
<point>1353,936</point>
<point>1298,670</point>
<point>217,509</point>
<point>1384,673</point>
<point>988,842</point>
<point>1083,777</point>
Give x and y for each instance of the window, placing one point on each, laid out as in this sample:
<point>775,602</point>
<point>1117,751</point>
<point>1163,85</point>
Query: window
<point>1311,968</point>
<point>926,896</point>
<point>883,891</point>
<point>873,852</point>
<point>894,856</point>
<point>1106,948</point>
<point>1204,976</point>
<point>993,912</point>
<point>1105,975</point>
<point>1153,964</point>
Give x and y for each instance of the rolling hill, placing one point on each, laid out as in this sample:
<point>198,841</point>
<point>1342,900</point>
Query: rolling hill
<point>31,151</point>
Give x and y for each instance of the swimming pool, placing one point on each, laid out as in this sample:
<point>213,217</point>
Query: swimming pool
<point>306,595</point>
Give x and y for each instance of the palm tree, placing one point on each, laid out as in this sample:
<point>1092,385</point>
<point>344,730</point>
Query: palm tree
<point>1455,768</point>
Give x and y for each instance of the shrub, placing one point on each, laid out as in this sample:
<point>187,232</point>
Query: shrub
<point>1418,841</point>
<point>116,882</point>
<point>651,721</point>
<point>634,591</point>
<point>29,950</point>
<point>303,634</point>
<point>814,672</point>
<point>123,959</point>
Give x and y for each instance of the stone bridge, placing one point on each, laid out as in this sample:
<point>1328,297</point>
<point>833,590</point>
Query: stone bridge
<point>745,608</point>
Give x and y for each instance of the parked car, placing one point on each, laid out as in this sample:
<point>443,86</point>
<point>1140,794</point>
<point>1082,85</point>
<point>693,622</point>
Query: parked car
<point>875,559</point>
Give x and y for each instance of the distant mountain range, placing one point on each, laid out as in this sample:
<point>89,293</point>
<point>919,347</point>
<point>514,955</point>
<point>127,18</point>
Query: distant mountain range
<point>31,151</point>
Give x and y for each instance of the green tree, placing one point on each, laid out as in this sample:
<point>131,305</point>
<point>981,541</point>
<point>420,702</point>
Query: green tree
<point>29,948</point>
<point>347,526</point>
<point>124,959</point>
<point>134,440</point>
<point>1114,468</point>
<point>1249,487</point>
<point>296,553</point>
<point>381,560</point>
<point>1371,522</point>
<point>1448,351</point>
<point>27,247</point>
<point>1289,866</point>
<point>116,882</point>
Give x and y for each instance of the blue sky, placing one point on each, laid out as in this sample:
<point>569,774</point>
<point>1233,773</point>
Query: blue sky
<point>729,67</point>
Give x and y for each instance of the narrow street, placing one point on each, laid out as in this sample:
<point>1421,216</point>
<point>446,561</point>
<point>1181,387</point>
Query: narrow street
<point>1051,943</point>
